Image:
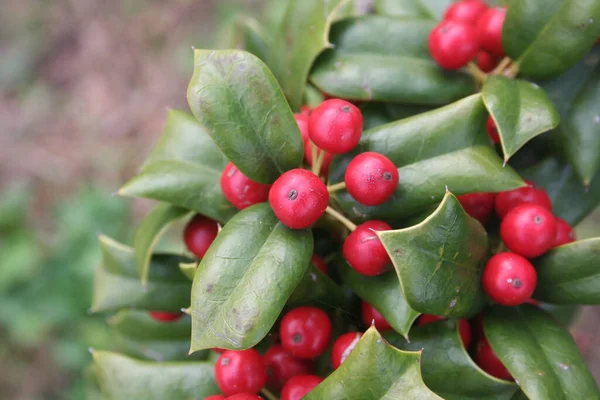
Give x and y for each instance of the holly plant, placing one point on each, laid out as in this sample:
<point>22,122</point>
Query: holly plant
<point>378,204</point>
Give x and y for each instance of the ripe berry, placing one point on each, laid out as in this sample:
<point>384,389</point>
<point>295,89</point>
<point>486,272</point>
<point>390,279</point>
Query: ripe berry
<point>336,126</point>
<point>505,201</point>
<point>509,279</point>
<point>343,346</point>
<point>371,178</point>
<point>492,131</point>
<point>453,44</point>
<point>309,159</point>
<point>528,230</point>
<point>464,329</point>
<point>305,332</point>
<point>298,198</point>
<point>281,366</point>
<point>371,316</point>
<point>165,316</point>
<point>298,386</point>
<point>240,372</point>
<point>364,251</point>
<point>489,30</point>
<point>199,234</point>
<point>478,205</point>
<point>240,190</point>
<point>564,233</point>
<point>466,11</point>
<point>302,121</point>
<point>215,397</point>
<point>319,263</point>
<point>485,61</point>
<point>429,318</point>
<point>244,396</point>
<point>489,361</point>
<point>306,110</point>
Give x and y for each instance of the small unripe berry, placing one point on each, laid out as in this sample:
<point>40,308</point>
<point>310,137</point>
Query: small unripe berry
<point>371,178</point>
<point>453,44</point>
<point>240,190</point>
<point>364,251</point>
<point>509,279</point>
<point>343,346</point>
<point>506,201</point>
<point>336,126</point>
<point>199,234</point>
<point>305,332</point>
<point>528,230</point>
<point>298,386</point>
<point>240,372</point>
<point>489,30</point>
<point>371,316</point>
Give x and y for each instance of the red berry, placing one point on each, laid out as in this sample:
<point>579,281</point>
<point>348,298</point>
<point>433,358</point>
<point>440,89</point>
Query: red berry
<point>371,316</point>
<point>564,233</point>
<point>429,318</point>
<point>306,110</point>
<point>371,178</point>
<point>489,30</point>
<point>244,396</point>
<point>241,191</point>
<point>343,346</point>
<point>492,131</point>
<point>478,205</point>
<point>453,44</point>
<point>297,387</point>
<point>215,397</point>
<point>240,372</point>
<point>165,316</point>
<point>305,332</point>
<point>298,198</point>
<point>336,126</point>
<point>489,361</point>
<point>219,350</point>
<point>199,234</point>
<point>505,201</point>
<point>281,366</point>
<point>364,251</point>
<point>528,230</point>
<point>509,279</point>
<point>309,159</point>
<point>466,11</point>
<point>302,121</point>
<point>464,329</point>
<point>319,263</point>
<point>485,61</point>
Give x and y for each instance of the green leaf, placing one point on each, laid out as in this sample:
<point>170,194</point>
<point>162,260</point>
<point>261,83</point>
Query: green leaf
<point>375,370</point>
<point>570,274</point>
<point>184,169</point>
<point>520,109</point>
<point>312,96</point>
<point>387,59</point>
<point>117,283</point>
<point>189,269</point>
<point>548,37</point>
<point>236,97</point>
<point>149,232</point>
<point>245,278</point>
<point>439,262</point>
<point>539,354</point>
<point>317,288</point>
<point>249,35</point>
<point>121,377</point>
<point>430,9</point>
<point>447,368</point>
<point>383,292</point>
<point>376,114</point>
<point>302,35</point>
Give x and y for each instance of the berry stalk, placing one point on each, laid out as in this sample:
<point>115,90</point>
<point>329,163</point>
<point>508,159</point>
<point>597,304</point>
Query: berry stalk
<point>347,223</point>
<point>336,186</point>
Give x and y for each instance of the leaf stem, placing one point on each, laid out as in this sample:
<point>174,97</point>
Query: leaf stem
<point>336,186</point>
<point>268,394</point>
<point>337,215</point>
<point>501,66</point>
<point>477,73</point>
<point>319,162</point>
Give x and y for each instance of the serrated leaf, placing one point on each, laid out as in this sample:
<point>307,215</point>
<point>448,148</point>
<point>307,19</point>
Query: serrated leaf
<point>149,232</point>
<point>439,262</point>
<point>570,274</point>
<point>121,377</point>
<point>386,59</point>
<point>117,284</point>
<point>189,269</point>
<point>318,289</point>
<point>520,109</point>
<point>375,370</point>
<point>233,93</point>
<point>245,279</point>
<point>548,37</point>
<point>383,292</point>
<point>302,35</point>
<point>430,9</point>
<point>539,353</point>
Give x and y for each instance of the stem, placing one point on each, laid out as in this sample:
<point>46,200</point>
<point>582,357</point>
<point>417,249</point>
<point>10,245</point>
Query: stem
<point>319,162</point>
<point>513,71</point>
<point>501,66</point>
<point>347,223</point>
<point>268,394</point>
<point>314,151</point>
<point>336,186</point>
<point>478,74</point>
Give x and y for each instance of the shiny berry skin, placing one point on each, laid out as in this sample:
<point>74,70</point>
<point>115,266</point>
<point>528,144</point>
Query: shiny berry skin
<point>298,198</point>
<point>305,332</point>
<point>509,279</point>
<point>453,44</point>
<point>165,316</point>
<point>298,386</point>
<point>489,361</point>
<point>306,110</point>
<point>505,201</point>
<point>478,205</point>
<point>528,230</point>
<point>464,328</point>
<point>564,233</point>
<point>309,159</point>
<point>489,30</point>
<point>343,346</point>
<point>336,126</point>
<point>371,178</point>
<point>319,263</point>
<point>241,191</point>
<point>244,396</point>
<point>240,372</point>
<point>364,251</point>
<point>199,234</point>
<point>485,61</point>
<point>466,11</point>
<point>281,366</point>
<point>215,397</point>
<point>371,316</point>
<point>302,121</point>
<point>492,131</point>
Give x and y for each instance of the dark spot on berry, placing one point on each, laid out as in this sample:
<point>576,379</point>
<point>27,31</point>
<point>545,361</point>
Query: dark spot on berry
<point>345,108</point>
<point>292,194</point>
<point>387,175</point>
<point>516,283</point>
<point>297,338</point>
<point>224,361</point>
<point>537,219</point>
